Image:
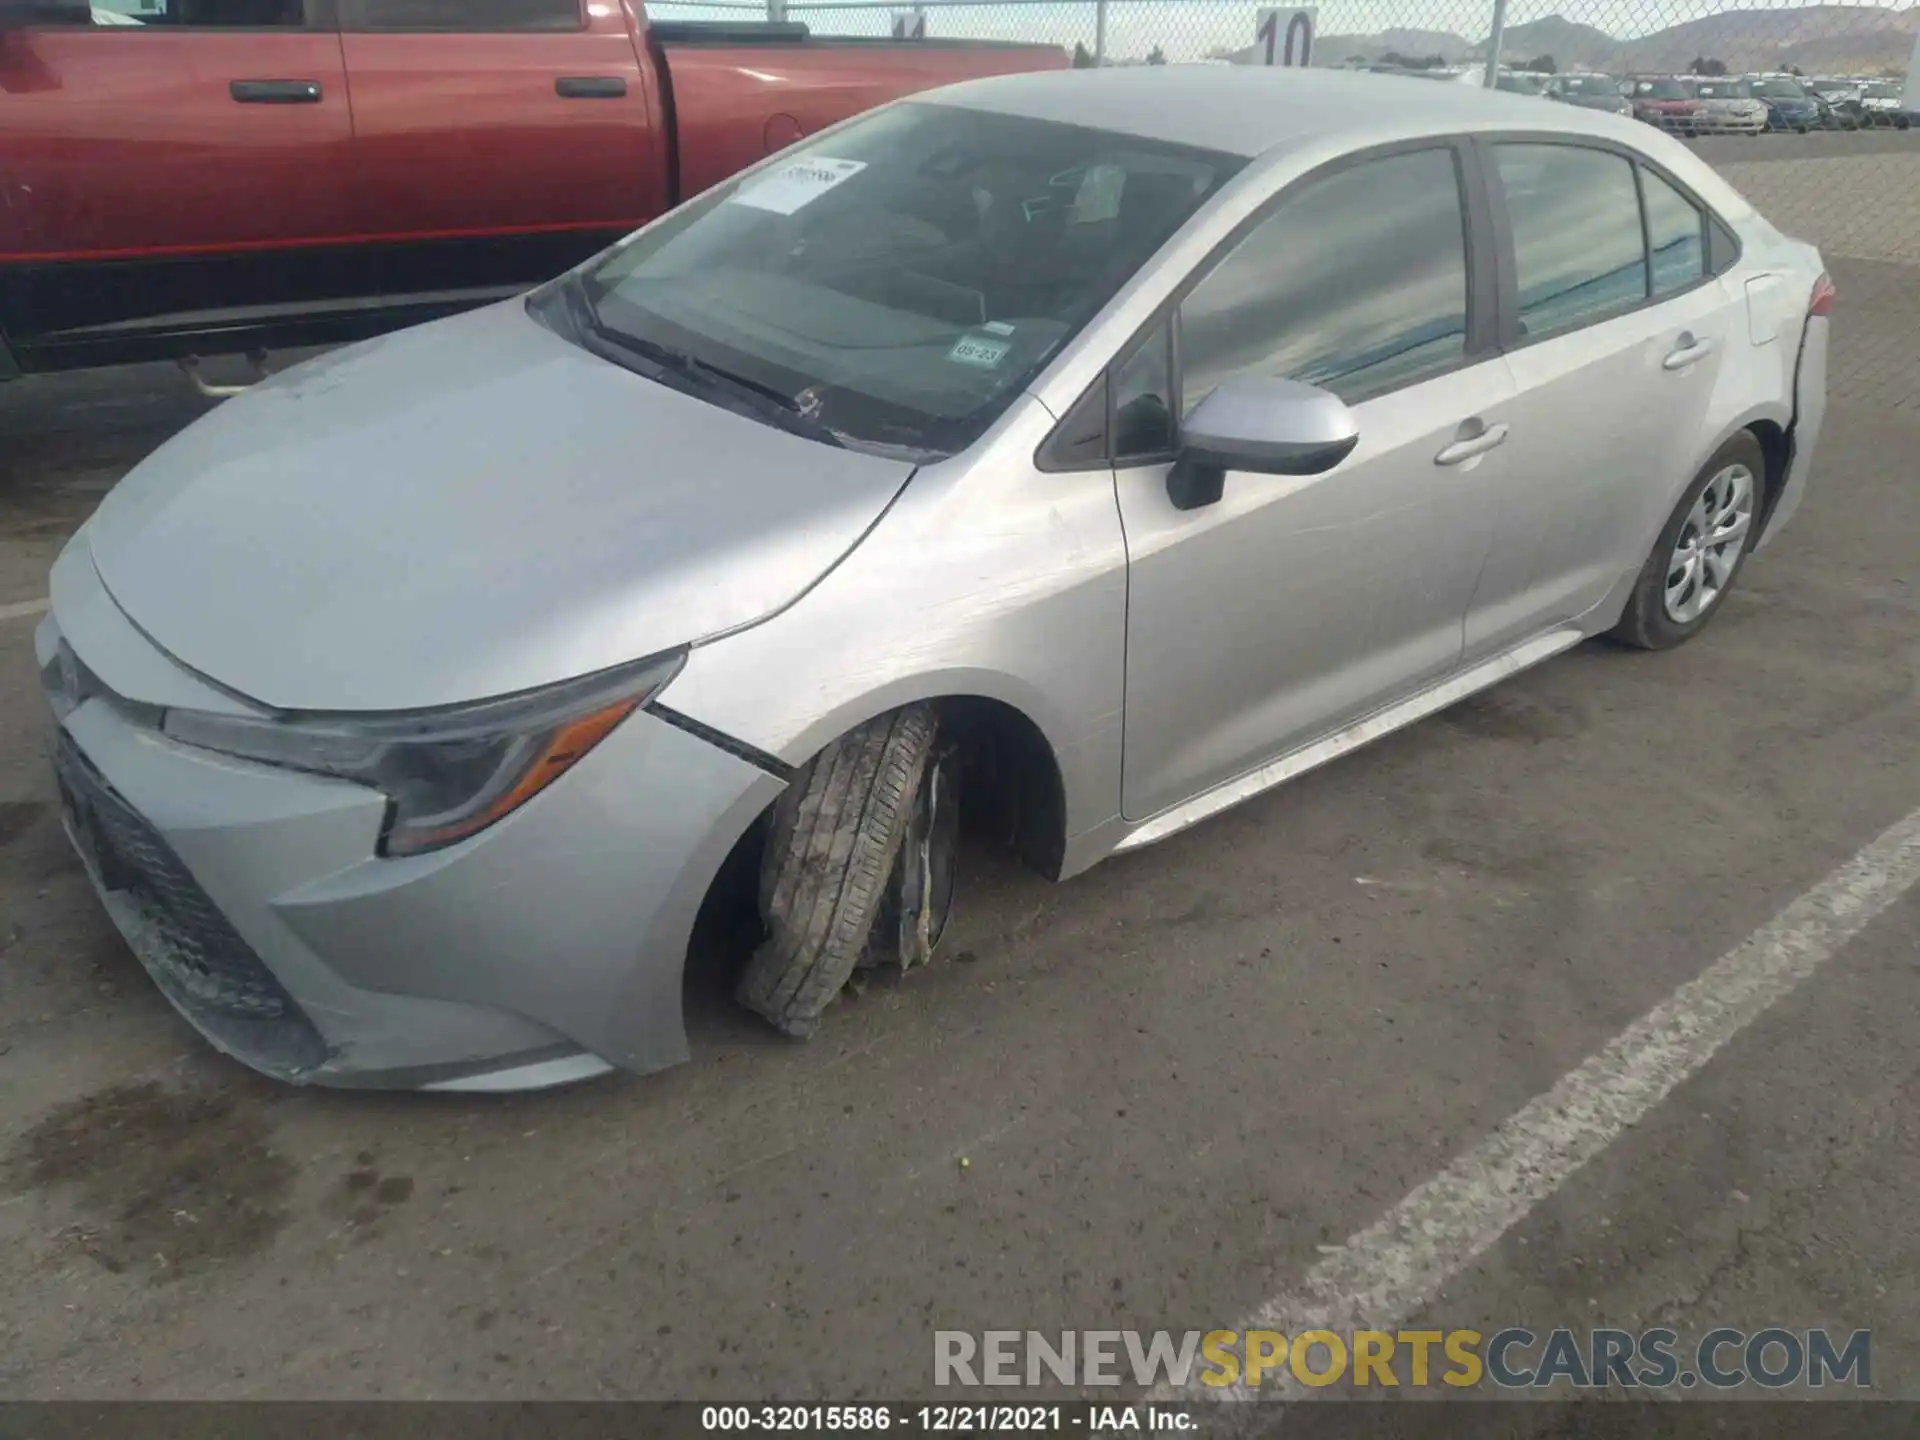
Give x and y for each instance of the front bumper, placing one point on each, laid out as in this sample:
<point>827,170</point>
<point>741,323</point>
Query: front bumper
<point>548,948</point>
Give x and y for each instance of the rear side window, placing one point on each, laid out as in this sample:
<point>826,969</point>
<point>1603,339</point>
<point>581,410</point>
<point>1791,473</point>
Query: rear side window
<point>1579,254</point>
<point>1675,235</point>
<point>461,15</point>
<point>1356,282</point>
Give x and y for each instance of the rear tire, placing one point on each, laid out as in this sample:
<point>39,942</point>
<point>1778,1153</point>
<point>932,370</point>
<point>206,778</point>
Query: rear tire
<point>1689,573</point>
<point>831,851</point>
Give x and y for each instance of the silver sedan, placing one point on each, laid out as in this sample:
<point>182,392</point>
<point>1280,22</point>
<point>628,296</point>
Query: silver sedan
<point>1089,450</point>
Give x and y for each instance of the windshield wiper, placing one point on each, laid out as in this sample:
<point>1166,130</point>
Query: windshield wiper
<point>765,401</point>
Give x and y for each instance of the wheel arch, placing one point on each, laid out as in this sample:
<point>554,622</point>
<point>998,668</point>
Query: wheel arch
<point>1768,423</point>
<point>1010,747</point>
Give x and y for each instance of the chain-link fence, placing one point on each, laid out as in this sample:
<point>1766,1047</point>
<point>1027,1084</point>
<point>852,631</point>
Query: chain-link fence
<point>1837,79</point>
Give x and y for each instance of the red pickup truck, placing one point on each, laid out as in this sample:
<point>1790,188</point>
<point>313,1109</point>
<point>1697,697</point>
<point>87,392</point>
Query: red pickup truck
<point>192,177</point>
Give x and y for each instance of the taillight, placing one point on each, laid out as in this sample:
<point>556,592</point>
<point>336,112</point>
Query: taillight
<point>1823,296</point>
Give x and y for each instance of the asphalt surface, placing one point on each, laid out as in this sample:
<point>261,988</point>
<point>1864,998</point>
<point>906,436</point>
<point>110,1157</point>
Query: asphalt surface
<point>1154,1097</point>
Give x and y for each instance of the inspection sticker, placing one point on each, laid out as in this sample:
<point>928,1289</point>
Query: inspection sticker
<point>985,351</point>
<point>785,190</point>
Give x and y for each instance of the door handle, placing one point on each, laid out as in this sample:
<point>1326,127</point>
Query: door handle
<point>1687,351</point>
<point>1472,445</point>
<point>275,92</point>
<point>590,87</point>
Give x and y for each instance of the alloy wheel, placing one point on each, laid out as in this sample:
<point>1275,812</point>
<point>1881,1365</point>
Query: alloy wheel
<point>1710,544</point>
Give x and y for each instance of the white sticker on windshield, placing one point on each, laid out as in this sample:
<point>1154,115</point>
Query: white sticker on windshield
<point>984,351</point>
<point>1099,195</point>
<point>786,189</point>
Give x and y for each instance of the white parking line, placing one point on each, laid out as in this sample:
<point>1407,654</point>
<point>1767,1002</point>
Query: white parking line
<point>22,609</point>
<point>1389,1270</point>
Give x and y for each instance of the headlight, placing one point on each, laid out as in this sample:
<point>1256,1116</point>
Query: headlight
<point>447,774</point>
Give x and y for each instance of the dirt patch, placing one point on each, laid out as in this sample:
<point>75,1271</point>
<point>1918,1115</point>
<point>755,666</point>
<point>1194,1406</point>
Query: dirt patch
<point>1502,715</point>
<point>17,817</point>
<point>168,1180</point>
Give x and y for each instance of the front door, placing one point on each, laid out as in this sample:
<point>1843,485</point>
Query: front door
<point>1295,605</point>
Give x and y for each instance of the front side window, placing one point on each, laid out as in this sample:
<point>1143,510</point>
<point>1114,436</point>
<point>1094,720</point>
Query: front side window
<point>455,15</point>
<point>1143,402</point>
<point>1578,251</point>
<point>901,281</point>
<point>202,14</point>
<point>1357,282</point>
<point>1674,231</point>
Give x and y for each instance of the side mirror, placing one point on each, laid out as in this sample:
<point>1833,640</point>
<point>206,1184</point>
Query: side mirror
<point>1260,423</point>
<point>19,14</point>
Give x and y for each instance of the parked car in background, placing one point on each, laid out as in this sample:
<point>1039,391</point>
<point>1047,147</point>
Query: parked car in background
<point>1520,82</point>
<point>1727,107</point>
<point>1842,101</point>
<point>1790,105</point>
<point>232,175</point>
<point>408,706</point>
<point>1590,92</point>
<point>1883,103</point>
<point>1666,102</point>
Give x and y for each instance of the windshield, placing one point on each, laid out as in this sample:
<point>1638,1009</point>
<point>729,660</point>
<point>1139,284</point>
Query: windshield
<point>1881,92</point>
<point>1523,84</point>
<point>1780,90</point>
<point>1660,90</point>
<point>1589,85</point>
<point>899,282</point>
<point>1723,90</point>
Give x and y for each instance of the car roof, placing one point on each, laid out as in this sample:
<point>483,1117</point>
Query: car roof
<point>1250,110</point>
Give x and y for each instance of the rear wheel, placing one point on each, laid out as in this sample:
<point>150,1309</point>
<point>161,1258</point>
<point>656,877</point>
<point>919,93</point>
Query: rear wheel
<point>1700,550</point>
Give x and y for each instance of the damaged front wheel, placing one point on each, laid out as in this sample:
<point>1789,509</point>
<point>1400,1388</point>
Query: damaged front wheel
<point>858,867</point>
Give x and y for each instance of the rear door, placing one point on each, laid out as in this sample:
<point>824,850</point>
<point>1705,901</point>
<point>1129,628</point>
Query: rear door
<point>177,158</point>
<point>1614,354</point>
<point>496,142</point>
<point>1292,606</point>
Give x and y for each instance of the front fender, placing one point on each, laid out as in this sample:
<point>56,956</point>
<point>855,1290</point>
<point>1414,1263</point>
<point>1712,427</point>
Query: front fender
<point>986,578</point>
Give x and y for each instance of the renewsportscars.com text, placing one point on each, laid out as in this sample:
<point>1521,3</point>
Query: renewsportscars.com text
<point>1515,1358</point>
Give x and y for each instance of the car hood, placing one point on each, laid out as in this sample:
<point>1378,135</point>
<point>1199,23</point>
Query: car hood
<point>467,509</point>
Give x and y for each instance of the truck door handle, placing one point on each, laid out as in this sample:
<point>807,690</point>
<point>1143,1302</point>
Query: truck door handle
<point>1687,351</point>
<point>1472,445</point>
<point>275,92</point>
<point>590,87</point>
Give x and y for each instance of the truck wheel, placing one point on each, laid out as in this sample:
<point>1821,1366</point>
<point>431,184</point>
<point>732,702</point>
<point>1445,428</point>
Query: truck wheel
<point>832,850</point>
<point>1700,550</point>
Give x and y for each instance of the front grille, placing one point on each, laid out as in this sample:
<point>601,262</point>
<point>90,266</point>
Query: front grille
<point>190,949</point>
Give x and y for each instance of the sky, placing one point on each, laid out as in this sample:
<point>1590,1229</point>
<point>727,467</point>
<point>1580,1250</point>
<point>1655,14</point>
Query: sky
<point>1190,29</point>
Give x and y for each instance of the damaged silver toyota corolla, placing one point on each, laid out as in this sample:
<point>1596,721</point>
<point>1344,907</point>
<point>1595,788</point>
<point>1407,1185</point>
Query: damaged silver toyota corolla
<point>1115,445</point>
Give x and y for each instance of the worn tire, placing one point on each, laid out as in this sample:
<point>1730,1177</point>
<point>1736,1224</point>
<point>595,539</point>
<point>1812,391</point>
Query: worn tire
<point>830,851</point>
<point>1646,625</point>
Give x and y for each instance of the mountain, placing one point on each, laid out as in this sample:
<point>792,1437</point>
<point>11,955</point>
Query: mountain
<point>1414,44</point>
<point>1828,36</point>
<point>1567,41</point>
<point>1836,38</point>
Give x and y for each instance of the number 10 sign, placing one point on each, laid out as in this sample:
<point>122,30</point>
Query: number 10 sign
<point>1284,37</point>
